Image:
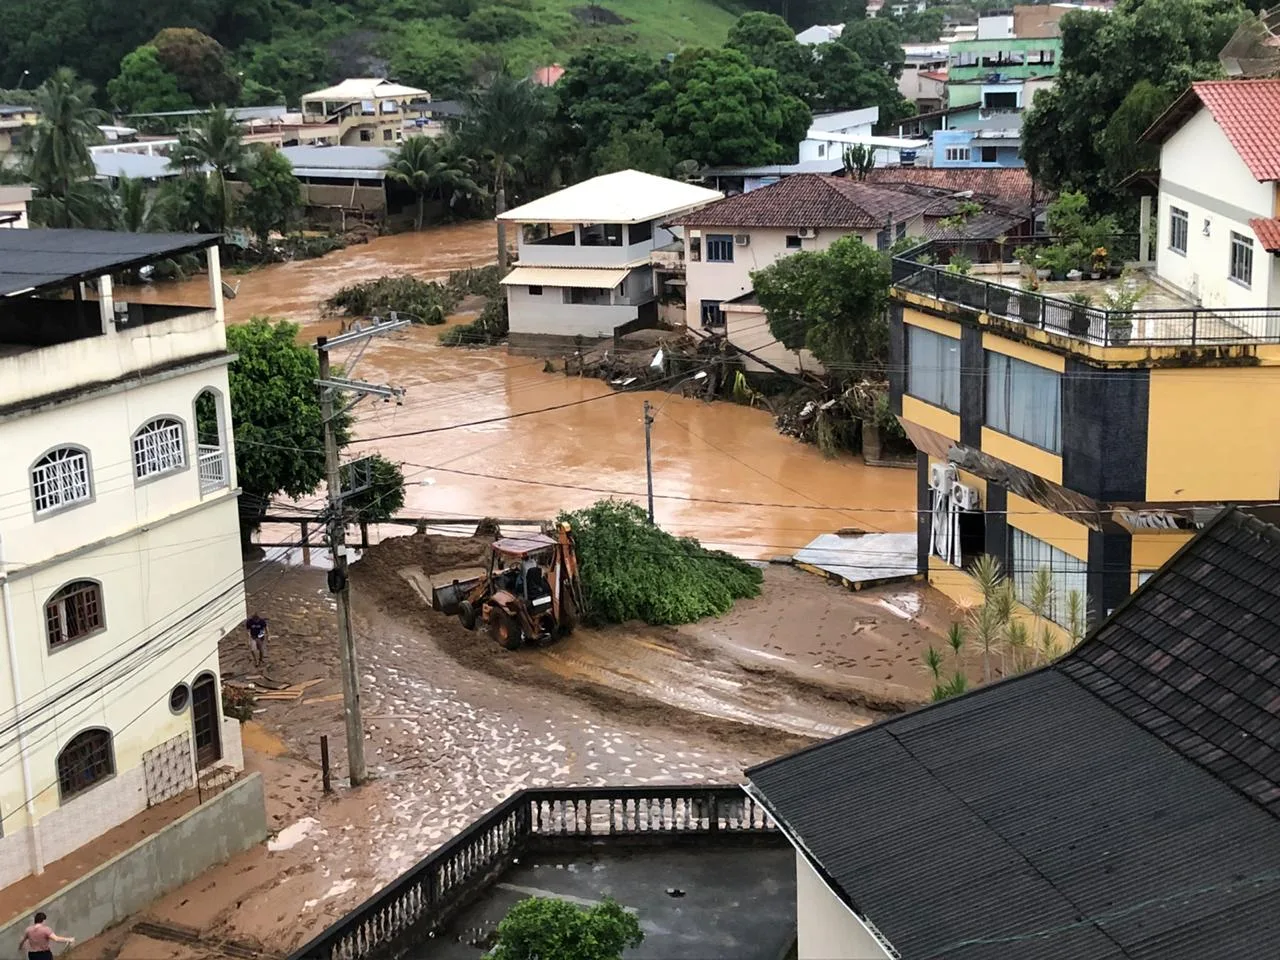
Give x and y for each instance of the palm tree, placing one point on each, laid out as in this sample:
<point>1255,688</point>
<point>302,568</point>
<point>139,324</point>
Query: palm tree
<point>141,210</point>
<point>429,166</point>
<point>213,144</point>
<point>504,122</point>
<point>59,152</point>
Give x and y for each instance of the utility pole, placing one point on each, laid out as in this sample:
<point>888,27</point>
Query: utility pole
<point>648,454</point>
<point>337,525</point>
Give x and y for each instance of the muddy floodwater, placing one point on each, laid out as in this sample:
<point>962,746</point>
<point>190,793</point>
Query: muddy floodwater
<point>484,434</point>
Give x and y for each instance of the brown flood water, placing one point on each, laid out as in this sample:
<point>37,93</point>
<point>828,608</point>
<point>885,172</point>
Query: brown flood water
<point>722,473</point>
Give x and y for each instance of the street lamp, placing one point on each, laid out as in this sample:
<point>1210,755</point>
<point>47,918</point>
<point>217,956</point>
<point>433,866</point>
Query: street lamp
<point>649,415</point>
<point>22,79</point>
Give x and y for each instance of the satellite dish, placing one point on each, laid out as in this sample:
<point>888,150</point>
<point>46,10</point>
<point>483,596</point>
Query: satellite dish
<point>229,291</point>
<point>1254,49</point>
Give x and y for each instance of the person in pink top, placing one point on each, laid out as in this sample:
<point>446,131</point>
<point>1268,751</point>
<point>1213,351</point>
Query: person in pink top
<point>38,940</point>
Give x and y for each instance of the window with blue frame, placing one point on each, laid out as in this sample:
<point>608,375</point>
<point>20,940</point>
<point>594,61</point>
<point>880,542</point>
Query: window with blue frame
<point>719,248</point>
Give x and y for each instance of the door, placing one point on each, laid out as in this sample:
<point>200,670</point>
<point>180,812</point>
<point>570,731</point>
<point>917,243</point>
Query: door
<point>204,719</point>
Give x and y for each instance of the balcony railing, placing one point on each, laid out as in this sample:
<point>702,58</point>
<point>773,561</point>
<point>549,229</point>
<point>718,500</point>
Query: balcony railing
<point>418,904</point>
<point>921,270</point>
<point>212,460</point>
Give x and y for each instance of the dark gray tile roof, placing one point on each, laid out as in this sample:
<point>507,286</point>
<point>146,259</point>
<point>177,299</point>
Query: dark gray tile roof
<point>39,259</point>
<point>1117,805</point>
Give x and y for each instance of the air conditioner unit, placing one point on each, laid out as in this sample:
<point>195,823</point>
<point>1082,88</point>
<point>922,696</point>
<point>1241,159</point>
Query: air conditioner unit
<point>966,497</point>
<point>807,233</point>
<point>941,476</point>
<point>741,239</point>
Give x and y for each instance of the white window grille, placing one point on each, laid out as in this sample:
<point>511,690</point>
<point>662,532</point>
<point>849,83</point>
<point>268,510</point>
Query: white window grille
<point>158,448</point>
<point>60,478</point>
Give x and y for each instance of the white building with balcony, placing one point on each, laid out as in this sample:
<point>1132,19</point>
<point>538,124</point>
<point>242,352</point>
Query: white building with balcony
<point>585,258</point>
<point>120,564</point>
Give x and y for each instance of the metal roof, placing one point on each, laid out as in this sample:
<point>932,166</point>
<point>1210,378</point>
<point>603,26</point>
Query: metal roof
<point>627,196</point>
<point>34,260</point>
<point>585,277</point>
<point>364,88</point>
<point>831,165</point>
<point>1122,803</point>
<point>523,546</point>
<point>136,165</point>
<point>356,162</point>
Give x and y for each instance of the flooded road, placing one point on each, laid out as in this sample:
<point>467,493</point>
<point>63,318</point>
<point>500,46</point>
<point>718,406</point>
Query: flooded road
<point>481,433</point>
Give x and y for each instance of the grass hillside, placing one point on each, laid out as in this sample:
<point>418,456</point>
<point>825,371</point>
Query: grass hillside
<point>659,26</point>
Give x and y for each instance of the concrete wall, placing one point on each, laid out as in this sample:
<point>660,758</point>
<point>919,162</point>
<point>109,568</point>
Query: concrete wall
<point>1201,173</point>
<point>547,313</point>
<point>223,826</point>
<point>825,928</point>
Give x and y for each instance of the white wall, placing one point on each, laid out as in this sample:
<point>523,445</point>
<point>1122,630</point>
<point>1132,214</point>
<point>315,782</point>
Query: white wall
<point>825,928</point>
<point>564,255</point>
<point>1200,172</point>
<point>549,314</point>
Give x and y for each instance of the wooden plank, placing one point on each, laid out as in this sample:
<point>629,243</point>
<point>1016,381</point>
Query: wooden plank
<point>303,685</point>
<point>327,698</point>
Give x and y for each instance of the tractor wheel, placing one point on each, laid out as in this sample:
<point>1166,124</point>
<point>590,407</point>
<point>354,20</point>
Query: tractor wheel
<point>504,629</point>
<point>467,614</point>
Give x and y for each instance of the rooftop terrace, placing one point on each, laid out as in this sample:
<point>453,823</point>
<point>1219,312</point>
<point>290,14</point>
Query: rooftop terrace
<point>995,286</point>
<point>703,869</point>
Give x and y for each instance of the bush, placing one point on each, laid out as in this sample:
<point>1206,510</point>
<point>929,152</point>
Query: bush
<point>541,928</point>
<point>632,570</point>
<point>476,281</point>
<point>490,327</point>
<point>423,300</point>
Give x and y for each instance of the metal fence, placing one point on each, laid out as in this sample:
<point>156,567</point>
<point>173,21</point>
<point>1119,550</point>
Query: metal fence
<point>423,900</point>
<point>918,271</point>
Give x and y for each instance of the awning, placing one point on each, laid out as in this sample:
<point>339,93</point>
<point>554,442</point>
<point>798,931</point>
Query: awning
<point>1268,232</point>
<point>597,279</point>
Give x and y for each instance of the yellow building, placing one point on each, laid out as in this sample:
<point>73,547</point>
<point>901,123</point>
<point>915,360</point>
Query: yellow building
<point>369,112</point>
<point>1094,442</point>
<point>15,121</point>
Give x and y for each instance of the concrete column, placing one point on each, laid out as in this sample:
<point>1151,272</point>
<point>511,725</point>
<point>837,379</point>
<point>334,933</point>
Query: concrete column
<point>106,303</point>
<point>214,261</point>
<point>1144,229</point>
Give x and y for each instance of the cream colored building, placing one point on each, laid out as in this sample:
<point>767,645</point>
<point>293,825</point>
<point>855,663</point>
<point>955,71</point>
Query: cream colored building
<point>361,112</point>
<point>586,252</point>
<point>16,121</point>
<point>120,563</point>
<point>13,206</point>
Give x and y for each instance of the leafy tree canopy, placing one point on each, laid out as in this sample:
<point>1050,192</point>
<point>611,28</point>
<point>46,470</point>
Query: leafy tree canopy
<point>200,64</point>
<point>767,41</point>
<point>145,86</point>
<point>831,302</point>
<point>878,42</point>
<point>603,90</point>
<point>384,496</point>
<point>422,55</point>
<point>720,109</point>
<point>540,928</point>
<point>641,148</point>
<point>850,82</point>
<point>274,194</point>
<point>1168,43</point>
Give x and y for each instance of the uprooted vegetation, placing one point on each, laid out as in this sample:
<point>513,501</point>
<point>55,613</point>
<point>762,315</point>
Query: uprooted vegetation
<point>633,570</point>
<point>422,301</point>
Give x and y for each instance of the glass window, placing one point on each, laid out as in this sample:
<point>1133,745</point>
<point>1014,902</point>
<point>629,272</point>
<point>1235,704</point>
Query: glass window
<point>74,612</point>
<point>712,316</point>
<point>366,136</point>
<point>1241,259</point>
<point>535,291</point>
<point>388,134</point>
<point>86,760</point>
<point>1069,574</point>
<point>988,154</point>
<point>793,242</point>
<point>719,248</point>
<point>158,448</point>
<point>1178,230</point>
<point>1024,401</point>
<point>958,153</point>
<point>640,232</point>
<point>589,295</point>
<point>933,368</point>
<point>60,478</point>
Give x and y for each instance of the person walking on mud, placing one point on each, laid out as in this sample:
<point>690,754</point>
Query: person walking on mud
<point>38,939</point>
<point>257,628</point>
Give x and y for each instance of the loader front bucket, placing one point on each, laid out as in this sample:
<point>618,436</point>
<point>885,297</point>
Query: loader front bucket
<point>446,598</point>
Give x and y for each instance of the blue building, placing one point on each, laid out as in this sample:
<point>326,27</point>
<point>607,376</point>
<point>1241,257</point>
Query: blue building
<point>977,148</point>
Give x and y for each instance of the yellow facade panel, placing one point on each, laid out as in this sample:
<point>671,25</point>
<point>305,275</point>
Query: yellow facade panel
<point>1069,536</point>
<point>948,328</point>
<point>1151,549</point>
<point>1213,433</point>
<point>1023,351</point>
<point>931,417</point>
<point>1025,455</point>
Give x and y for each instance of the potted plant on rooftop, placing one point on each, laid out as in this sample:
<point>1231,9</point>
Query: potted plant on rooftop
<point>1057,259</point>
<point>1079,322</point>
<point>1029,301</point>
<point>1119,302</point>
<point>952,285</point>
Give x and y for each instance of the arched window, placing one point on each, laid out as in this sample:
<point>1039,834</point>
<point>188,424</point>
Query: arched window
<point>74,612</point>
<point>61,478</point>
<point>84,762</point>
<point>159,447</point>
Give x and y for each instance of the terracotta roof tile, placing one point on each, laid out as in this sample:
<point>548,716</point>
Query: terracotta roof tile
<point>1268,232</point>
<point>1010,186</point>
<point>812,200</point>
<point>1248,113</point>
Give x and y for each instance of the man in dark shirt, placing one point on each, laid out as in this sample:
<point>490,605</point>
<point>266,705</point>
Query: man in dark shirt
<point>257,628</point>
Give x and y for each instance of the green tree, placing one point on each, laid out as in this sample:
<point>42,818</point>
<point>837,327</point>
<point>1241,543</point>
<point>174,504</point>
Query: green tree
<point>540,928</point>
<point>1120,145</point>
<point>497,24</point>
<point>213,143</point>
<point>719,109</point>
<point>200,64</point>
<point>145,86</point>
<point>606,91</point>
<point>275,415</point>
<point>384,496</point>
<point>424,55</point>
<point>274,194</point>
<point>1168,43</point>
<point>642,147</point>
<point>878,42</point>
<point>504,123</point>
<point>61,138</point>
<point>923,27</point>
<point>139,209</point>
<point>830,302</point>
<point>292,63</point>
<point>767,41</point>
<point>850,82</point>
<point>433,167</point>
